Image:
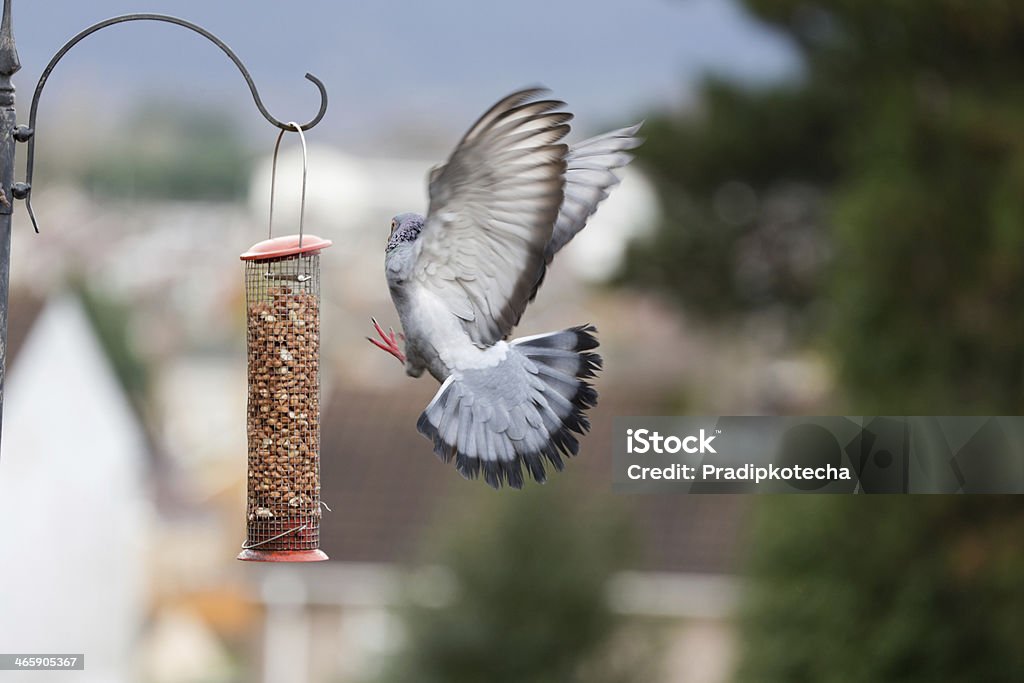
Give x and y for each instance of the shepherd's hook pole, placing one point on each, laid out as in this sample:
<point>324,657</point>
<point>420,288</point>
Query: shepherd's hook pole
<point>9,65</point>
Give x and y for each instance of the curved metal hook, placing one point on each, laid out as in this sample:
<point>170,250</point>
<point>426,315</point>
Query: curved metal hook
<point>23,133</point>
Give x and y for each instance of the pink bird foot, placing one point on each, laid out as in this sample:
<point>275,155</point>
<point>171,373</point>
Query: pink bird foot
<point>390,344</point>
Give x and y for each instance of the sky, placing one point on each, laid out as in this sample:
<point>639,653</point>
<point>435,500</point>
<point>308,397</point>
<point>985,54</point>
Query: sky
<point>397,71</point>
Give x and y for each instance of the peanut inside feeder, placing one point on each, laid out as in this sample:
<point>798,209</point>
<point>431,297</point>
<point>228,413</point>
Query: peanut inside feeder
<point>282,282</point>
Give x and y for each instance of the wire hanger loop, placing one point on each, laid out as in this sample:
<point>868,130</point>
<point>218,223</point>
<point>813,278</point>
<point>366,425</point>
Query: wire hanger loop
<point>273,180</point>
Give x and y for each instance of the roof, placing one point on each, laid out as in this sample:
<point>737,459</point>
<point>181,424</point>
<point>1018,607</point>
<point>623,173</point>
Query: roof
<point>22,310</point>
<point>386,486</point>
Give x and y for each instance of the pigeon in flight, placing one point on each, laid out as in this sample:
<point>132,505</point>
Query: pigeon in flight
<point>511,195</point>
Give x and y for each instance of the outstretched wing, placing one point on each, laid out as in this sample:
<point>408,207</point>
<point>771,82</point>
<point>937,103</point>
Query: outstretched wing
<point>493,207</point>
<point>589,177</point>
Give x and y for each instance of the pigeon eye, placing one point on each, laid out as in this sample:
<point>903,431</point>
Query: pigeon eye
<point>393,226</point>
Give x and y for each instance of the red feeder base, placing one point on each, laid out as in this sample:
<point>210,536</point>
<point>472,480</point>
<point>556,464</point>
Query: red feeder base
<point>256,555</point>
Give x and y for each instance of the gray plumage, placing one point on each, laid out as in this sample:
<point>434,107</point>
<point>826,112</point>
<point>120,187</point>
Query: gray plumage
<point>511,195</point>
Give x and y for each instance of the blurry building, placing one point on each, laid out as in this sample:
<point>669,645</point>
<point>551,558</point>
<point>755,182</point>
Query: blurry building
<point>74,495</point>
<point>94,512</point>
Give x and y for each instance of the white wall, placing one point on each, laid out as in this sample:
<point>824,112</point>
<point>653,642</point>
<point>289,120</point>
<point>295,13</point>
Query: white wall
<point>73,506</point>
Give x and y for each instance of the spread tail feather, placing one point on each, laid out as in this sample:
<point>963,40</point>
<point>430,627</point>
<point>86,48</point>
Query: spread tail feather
<point>525,410</point>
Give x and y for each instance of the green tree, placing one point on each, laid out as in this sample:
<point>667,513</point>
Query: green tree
<point>936,596</point>
<point>877,199</point>
<point>529,596</point>
<point>169,152</point>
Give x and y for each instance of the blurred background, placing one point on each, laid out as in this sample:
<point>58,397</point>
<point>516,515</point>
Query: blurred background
<point>827,218</point>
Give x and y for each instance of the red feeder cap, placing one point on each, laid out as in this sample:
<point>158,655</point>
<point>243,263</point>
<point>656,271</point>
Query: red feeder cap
<point>257,555</point>
<point>284,246</point>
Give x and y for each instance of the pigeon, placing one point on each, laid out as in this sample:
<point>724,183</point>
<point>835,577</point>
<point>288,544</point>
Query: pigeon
<point>510,196</point>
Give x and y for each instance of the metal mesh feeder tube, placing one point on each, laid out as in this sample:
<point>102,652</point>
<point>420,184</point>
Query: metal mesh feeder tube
<point>282,285</point>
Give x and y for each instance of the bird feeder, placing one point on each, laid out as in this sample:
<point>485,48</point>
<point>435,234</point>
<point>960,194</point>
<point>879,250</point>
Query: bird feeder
<point>282,296</point>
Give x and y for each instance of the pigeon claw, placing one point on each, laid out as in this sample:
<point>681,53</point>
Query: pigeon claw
<point>389,343</point>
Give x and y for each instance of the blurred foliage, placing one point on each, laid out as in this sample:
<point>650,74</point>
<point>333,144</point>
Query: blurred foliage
<point>169,152</point>
<point>111,320</point>
<point>878,199</point>
<point>938,596</point>
<point>529,597</point>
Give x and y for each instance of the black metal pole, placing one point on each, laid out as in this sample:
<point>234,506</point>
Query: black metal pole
<point>9,65</point>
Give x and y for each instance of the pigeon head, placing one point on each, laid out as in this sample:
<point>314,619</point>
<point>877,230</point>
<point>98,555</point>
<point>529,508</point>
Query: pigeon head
<point>405,227</point>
